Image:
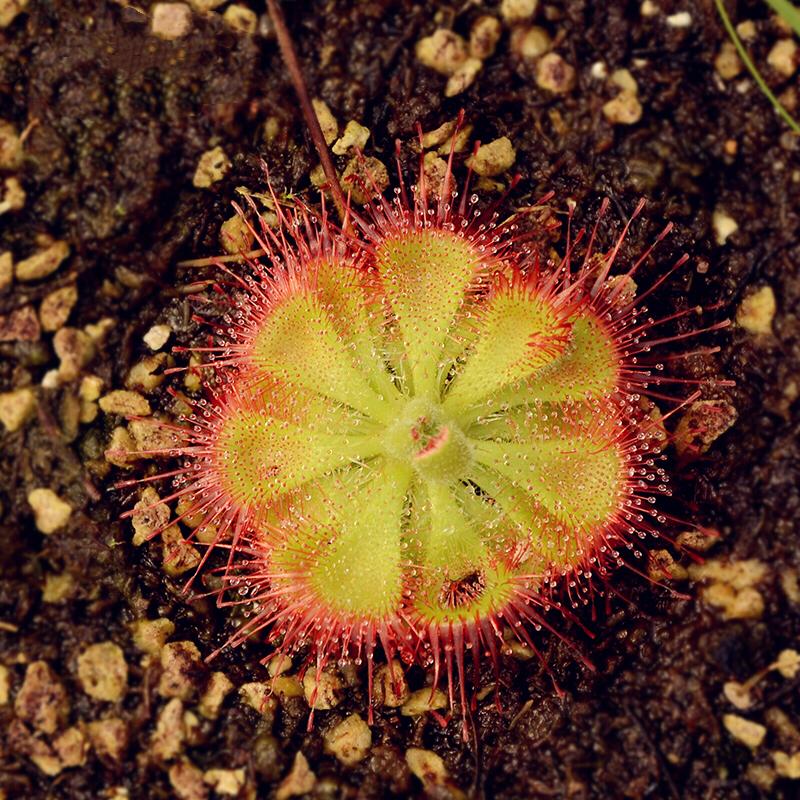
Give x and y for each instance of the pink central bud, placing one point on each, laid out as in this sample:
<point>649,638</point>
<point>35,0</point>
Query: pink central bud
<point>430,443</point>
<point>425,438</point>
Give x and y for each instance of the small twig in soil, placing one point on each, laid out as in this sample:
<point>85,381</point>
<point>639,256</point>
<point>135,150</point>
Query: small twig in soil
<point>662,761</point>
<point>213,260</point>
<point>289,55</point>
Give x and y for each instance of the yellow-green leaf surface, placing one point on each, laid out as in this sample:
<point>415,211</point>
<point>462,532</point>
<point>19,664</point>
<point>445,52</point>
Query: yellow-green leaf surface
<point>426,275</point>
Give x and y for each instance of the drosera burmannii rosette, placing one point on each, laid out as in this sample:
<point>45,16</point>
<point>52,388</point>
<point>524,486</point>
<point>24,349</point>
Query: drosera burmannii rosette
<point>421,433</point>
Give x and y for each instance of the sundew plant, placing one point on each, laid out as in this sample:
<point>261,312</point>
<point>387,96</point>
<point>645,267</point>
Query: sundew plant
<point>420,432</point>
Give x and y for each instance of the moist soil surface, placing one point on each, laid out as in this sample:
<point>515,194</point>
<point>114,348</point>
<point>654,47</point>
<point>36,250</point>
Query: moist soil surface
<point>115,120</point>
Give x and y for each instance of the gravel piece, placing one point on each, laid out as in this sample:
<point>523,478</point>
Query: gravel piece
<point>98,331</point>
<point>235,236</point>
<point>661,565</point>
<point>787,766</point>
<point>739,574</point>
<point>457,142</point>
<point>623,78</point>
<point>182,668</point>
<point>6,270</point>
<point>513,11</point>
<point>187,781</point>
<point>58,588</point>
<point>103,672</point>
<point>157,336</point>
<point>697,540</point>
<point>88,411</point>
<point>390,687</point>
<point>747,29</point>
<point>39,752</point>
<point>50,512</point>
<point>241,19</point>
<point>287,686</point>
<point>648,8</point>
<point>733,586</point>
<point>171,20</point>
<point>204,6</point>
<point>756,311</point>
<point>323,691</point>
<point>786,731</point>
<point>493,158</point>
<point>17,407</point>
<point>9,10</point>
<point>5,684</point>
<point>788,663</point>
<point>439,135</point>
<point>121,449</point>
<point>483,36</point>
<point>193,517</point>
<point>151,438</point>
<point>10,146</point>
<point>212,167</point>
<point>427,766</point>
<point>363,177</point>
<point>71,747</point>
<point>724,226</point>
<point>783,57</point>
<point>349,741</point>
<point>149,517</point>
<point>56,307</point>
<point>169,735</point>
<point>75,349</point>
<point>727,63</point>
<point>219,686</point>
<point>443,51</point>
<point>21,325</point>
<point>624,109</point>
<point>423,700</point>
<point>258,695</point>
<point>744,730</point>
<point>354,138</point>
<point>43,263</point>
<point>109,737</point>
<point>300,780</point>
<point>279,664</point>
<point>737,695</point>
<point>683,19</point>
<point>702,424</point>
<point>530,43</point>
<point>554,74</point>
<point>42,700</point>
<point>125,403</point>
<point>463,77</point>
<point>435,168</point>
<point>330,128</point>
<point>178,555</point>
<point>227,782</point>
<point>13,198</point>
<point>147,374</point>
<point>150,635</point>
